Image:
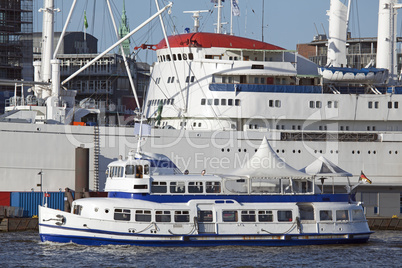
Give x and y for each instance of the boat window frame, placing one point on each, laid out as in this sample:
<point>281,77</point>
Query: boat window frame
<point>142,215</point>
<point>181,216</point>
<point>268,214</point>
<point>342,215</point>
<point>163,216</point>
<point>231,216</point>
<point>121,214</point>
<point>326,215</point>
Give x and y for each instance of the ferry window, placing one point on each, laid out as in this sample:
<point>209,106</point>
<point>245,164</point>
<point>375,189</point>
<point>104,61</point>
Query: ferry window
<point>265,216</point>
<point>168,57</point>
<point>164,101</point>
<point>216,101</point>
<point>318,104</point>
<point>195,187</point>
<point>390,105</point>
<point>329,104</point>
<point>179,56</point>
<point>174,57</point>
<point>262,80</point>
<point>376,104</point>
<point>213,187</point>
<point>278,103</point>
<point>162,216</point>
<point>285,215</point>
<point>194,124</point>
<point>184,56</point>
<point>122,214</point>
<point>230,102</point>
<point>248,216</point>
<point>325,215</point>
<point>229,216</point>
<point>257,66</point>
<point>223,101</point>
<point>370,104</point>
<point>171,101</point>
<point>164,58</point>
<point>187,79</point>
<point>199,124</point>
<point>202,101</point>
<point>77,209</point>
<point>159,187</point>
<point>146,169</point>
<point>396,105</point>
<point>335,104</point>
<point>168,101</point>
<point>168,80</point>
<point>271,103</point>
<point>172,79</point>
<point>342,215</point>
<point>341,127</point>
<point>177,187</point>
<point>209,101</point>
<point>181,216</point>
<point>312,104</point>
<point>192,79</point>
<point>358,215</point>
<point>143,215</point>
<point>256,80</point>
<point>138,171</point>
<point>223,80</point>
<point>237,102</point>
<point>190,56</point>
<point>230,80</point>
<point>205,216</point>
<point>149,103</point>
<point>121,172</point>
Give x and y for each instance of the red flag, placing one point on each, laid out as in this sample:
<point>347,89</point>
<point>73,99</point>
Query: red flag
<point>47,195</point>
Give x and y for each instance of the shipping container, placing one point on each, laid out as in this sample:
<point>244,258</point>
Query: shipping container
<point>5,199</point>
<point>29,201</point>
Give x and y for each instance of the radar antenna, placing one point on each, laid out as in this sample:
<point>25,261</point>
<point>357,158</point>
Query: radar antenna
<point>196,17</point>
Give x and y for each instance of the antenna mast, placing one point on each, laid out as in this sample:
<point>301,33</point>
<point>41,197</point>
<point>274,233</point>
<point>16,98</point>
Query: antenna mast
<point>196,17</point>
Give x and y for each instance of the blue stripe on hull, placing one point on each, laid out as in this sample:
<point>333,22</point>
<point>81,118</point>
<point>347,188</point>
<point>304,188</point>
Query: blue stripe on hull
<point>239,198</point>
<point>91,241</point>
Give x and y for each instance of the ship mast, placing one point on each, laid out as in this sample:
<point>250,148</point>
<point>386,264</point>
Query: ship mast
<point>219,23</point>
<point>386,38</point>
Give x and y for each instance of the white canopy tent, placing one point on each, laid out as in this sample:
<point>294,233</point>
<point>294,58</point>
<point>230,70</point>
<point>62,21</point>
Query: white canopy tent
<point>322,168</point>
<point>266,163</point>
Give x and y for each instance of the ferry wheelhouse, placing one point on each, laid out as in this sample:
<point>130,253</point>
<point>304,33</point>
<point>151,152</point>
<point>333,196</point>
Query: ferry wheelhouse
<point>152,203</point>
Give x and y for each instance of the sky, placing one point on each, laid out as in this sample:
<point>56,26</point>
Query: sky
<point>286,22</point>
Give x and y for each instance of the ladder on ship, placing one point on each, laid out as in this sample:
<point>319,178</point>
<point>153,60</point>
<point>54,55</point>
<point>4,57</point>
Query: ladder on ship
<point>96,157</point>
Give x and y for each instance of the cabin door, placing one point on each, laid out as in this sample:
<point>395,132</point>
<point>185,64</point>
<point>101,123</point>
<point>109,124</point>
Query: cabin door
<point>206,218</point>
<point>307,218</point>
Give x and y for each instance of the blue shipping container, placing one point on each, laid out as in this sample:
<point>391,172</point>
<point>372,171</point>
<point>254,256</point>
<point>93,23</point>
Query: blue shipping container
<point>30,201</point>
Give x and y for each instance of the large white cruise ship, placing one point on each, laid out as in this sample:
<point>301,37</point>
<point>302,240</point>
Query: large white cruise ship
<point>212,98</point>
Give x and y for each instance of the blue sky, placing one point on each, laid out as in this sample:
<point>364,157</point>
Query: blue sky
<point>287,22</point>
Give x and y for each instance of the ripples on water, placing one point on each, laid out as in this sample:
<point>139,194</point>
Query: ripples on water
<point>24,249</point>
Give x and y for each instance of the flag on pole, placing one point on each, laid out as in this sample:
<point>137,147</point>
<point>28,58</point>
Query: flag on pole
<point>364,179</point>
<point>235,8</point>
<point>85,20</point>
<point>47,195</point>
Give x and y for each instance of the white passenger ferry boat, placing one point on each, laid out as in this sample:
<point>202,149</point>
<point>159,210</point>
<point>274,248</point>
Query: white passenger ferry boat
<point>151,203</point>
